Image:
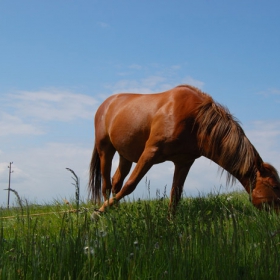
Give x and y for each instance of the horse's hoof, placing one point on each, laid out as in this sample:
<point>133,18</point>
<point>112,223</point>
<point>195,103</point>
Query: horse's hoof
<point>96,215</point>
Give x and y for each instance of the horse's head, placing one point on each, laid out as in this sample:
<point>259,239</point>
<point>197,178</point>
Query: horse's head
<point>267,188</point>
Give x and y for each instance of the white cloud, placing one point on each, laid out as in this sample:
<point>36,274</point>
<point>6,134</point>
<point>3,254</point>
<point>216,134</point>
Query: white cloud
<point>17,175</point>
<point>13,125</point>
<point>272,94</point>
<point>153,81</point>
<point>176,67</point>
<point>269,92</point>
<point>275,91</point>
<point>152,78</point>
<point>265,136</point>
<point>150,84</point>
<point>103,24</point>
<point>40,174</point>
<point>135,66</point>
<point>4,167</point>
<point>129,86</point>
<point>53,105</point>
<point>191,81</point>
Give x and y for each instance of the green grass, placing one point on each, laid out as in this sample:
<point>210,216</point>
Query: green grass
<point>213,237</point>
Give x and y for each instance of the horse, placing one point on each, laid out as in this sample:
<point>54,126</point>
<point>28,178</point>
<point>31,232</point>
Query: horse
<point>178,125</point>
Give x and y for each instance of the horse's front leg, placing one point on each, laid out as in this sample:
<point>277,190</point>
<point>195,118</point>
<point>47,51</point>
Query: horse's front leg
<point>180,174</point>
<point>146,161</point>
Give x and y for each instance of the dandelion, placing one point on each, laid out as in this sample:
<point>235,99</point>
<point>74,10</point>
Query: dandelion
<point>43,238</point>
<point>157,245</point>
<point>96,243</point>
<point>88,250</point>
<point>102,233</point>
<point>256,245</point>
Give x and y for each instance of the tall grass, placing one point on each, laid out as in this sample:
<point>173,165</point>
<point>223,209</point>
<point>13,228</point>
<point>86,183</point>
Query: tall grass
<point>214,237</point>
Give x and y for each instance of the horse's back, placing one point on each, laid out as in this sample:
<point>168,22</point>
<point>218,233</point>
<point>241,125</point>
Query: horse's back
<point>145,104</point>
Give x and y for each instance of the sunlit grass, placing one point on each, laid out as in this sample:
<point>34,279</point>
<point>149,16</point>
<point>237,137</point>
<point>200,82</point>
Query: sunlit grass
<point>213,237</point>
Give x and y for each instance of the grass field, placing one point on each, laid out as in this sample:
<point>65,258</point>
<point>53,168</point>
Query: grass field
<point>213,237</point>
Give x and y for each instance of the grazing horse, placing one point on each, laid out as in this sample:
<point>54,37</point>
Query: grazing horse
<point>178,125</point>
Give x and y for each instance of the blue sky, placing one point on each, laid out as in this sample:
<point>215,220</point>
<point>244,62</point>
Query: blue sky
<point>60,59</point>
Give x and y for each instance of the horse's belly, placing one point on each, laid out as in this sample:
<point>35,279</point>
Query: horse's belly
<point>129,141</point>
<point>130,148</point>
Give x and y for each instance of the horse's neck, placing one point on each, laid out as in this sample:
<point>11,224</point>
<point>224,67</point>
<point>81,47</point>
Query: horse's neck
<point>228,146</point>
<point>247,180</point>
<point>248,183</point>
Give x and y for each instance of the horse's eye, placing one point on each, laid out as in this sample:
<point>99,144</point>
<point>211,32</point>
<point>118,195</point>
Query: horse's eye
<point>275,187</point>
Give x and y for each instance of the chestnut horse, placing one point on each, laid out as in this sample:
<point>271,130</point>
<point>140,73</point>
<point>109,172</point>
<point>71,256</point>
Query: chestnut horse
<point>177,125</point>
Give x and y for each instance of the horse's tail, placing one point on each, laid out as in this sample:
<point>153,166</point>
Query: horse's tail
<point>94,185</point>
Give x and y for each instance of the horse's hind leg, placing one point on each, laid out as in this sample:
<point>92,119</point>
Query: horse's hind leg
<point>120,174</point>
<point>106,157</point>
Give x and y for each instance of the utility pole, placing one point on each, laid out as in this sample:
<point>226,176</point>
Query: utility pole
<point>9,187</point>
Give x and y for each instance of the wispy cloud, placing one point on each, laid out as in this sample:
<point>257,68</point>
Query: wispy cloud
<point>265,136</point>
<point>147,85</point>
<point>176,67</point>
<point>18,176</point>
<point>270,92</point>
<point>103,24</point>
<point>13,125</point>
<point>273,91</point>
<point>191,81</point>
<point>39,173</point>
<point>135,66</point>
<point>169,73</point>
<point>54,105</point>
<point>152,83</point>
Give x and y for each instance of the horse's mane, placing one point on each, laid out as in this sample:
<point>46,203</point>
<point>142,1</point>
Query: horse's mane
<point>226,142</point>
<point>272,170</point>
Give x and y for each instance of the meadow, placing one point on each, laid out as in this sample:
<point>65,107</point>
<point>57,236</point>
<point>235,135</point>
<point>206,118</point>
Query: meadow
<point>211,237</point>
